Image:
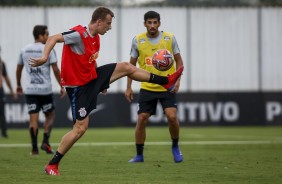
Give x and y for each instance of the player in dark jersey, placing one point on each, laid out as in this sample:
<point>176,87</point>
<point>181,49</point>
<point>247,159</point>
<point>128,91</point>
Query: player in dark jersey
<point>83,81</point>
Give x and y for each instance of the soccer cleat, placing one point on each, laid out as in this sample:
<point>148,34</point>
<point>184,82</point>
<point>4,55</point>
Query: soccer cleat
<point>173,78</point>
<point>52,169</point>
<point>137,158</point>
<point>177,155</point>
<point>46,147</point>
<point>4,135</point>
<point>34,152</point>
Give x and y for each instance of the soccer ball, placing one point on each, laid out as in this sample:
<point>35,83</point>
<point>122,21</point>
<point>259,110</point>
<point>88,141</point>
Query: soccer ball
<point>162,60</point>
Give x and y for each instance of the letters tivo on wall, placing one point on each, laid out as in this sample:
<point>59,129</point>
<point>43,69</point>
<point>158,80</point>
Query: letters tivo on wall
<point>194,109</point>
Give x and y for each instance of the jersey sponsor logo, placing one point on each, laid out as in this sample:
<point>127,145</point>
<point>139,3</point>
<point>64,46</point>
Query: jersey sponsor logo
<point>166,38</point>
<point>93,58</point>
<point>36,81</point>
<point>148,61</point>
<point>35,70</point>
<point>142,40</point>
<point>82,112</point>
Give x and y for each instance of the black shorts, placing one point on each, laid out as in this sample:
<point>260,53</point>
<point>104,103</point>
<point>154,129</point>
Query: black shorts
<point>83,98</point>
<point>35,103</point>
<point>148,100</point>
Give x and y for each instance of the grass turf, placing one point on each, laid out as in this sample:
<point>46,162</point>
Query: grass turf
<point>206,158</point>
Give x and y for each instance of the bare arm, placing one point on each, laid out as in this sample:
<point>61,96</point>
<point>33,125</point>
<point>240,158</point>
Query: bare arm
<point>50,44</point>
<point>179,63</point>
<point>18,77</point>
<point>8,82</point>
<point>129,92</point>
<point>57,74</point>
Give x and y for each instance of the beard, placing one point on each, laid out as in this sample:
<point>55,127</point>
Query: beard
<point>153,32</point>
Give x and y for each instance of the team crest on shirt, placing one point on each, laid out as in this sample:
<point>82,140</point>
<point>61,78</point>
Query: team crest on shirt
<point>166,38</point>
<point>82,112</point>
<point>142,40</point>
<point>93,58</point>
<point>85,34</point>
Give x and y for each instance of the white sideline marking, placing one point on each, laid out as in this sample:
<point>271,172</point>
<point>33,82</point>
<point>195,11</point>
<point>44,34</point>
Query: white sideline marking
<point>155,143</point>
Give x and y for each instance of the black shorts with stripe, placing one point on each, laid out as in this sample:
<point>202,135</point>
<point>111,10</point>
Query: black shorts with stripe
<point>83,98</point>
<point>148,100</point>
<point>35,103</point>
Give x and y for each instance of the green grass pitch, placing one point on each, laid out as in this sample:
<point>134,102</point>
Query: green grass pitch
<point>219,155</point>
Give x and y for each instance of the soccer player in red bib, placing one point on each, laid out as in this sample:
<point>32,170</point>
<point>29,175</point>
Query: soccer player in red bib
<point>82,78</point>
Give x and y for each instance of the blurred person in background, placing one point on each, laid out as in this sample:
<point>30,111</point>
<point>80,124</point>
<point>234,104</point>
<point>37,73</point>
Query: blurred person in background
<point>4,77</point>
<point>38,87</point>
<point>144,45</point>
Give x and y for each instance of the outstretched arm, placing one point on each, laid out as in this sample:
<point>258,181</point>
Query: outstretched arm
<point>51,42</point>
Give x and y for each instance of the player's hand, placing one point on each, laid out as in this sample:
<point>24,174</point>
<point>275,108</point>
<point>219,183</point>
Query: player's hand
<point>104,92</point>
<point>176,87</point>
<point>63,92</point>
<point>14,96</point>
<point>19,90</point>
<point>129,94</point>
<point>34,62</point>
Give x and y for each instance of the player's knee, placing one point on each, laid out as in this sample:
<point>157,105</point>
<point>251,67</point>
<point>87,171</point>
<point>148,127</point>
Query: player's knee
<point>129,68</point>
<point>143,118</point>
<point>50,116</point>
<point>172,118</point>
<point>80,130</point>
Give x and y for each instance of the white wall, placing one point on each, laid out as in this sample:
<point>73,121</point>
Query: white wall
<point>16,25</point>
<point>224,49</point>
<point>219,46</point>
<point>271,49</point>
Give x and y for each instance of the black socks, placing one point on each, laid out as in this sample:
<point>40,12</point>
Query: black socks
<point>33,136</point>
<point>139,149</point>
<point>46,138</point>
<point>156,79</point>
<point>56,159</point>
<point>175,142</point>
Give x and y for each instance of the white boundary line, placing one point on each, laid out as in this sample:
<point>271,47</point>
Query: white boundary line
<point>156,143</point>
